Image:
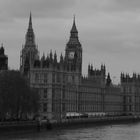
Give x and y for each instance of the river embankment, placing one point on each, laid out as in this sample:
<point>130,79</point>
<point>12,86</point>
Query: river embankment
<point>17,126</point>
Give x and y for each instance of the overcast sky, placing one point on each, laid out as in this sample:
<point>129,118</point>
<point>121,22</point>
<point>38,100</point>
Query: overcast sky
<point>109,30</point>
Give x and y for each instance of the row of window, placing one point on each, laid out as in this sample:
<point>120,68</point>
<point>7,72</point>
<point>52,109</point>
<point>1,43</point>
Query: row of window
<point>90,96</point>
<point>41,78</point>
<point>92,90</point>
<point>73,107</point>
<point>56,78</point>
<point>91,108</point>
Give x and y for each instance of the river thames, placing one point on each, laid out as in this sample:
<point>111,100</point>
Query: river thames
<point>100,132</point>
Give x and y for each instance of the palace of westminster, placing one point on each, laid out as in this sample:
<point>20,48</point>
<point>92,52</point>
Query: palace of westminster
<point>65,91</point>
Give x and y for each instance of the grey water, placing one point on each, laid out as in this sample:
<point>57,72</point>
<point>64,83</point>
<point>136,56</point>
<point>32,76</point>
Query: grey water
<point>104,132</point>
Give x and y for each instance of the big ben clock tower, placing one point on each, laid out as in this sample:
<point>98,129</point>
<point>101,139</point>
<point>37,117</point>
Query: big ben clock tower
<point>73,51</point>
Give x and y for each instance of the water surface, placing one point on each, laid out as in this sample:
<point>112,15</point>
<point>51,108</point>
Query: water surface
<point>106,132</point>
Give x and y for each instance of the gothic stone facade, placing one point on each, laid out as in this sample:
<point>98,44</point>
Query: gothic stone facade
<point>130,87</point>
<point>62,88</point>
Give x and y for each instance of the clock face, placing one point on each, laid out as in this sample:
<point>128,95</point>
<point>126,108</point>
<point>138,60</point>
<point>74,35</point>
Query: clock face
<point>71,55</point>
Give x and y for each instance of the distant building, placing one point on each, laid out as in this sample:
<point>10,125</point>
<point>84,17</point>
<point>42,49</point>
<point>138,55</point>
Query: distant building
<point>130,87</point>
<point>62,88</point>
<point>3,59</point>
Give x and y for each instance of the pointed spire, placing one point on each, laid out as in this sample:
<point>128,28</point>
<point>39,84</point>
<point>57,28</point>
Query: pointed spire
<point>74,29</point>
<point>1,49</point>
<point>74,40</point>
<point>89,67</point>
<point>55,57</point>
<point>108,76</point>
<point>51,55</point>
<point>43,57</point>
<point>102,66</point>
<point>48,58</point>
<point>61,58</point>
<point>30,37</point>
<point>30,21</point>
<point>108,80</point>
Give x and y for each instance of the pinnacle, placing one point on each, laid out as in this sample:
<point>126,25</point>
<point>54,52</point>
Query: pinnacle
<point>30,21</point>
<point>74,29</point>
<point>30,37</point>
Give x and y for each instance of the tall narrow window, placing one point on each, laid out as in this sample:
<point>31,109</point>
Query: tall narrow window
<point>53,77</point>
<point>63,107</point>
<point>45,78</point>
<point>73,79</point>
<point>45,93</point>
<point>44,107</point>
<point>36,78</point>
<point>63,94</point>
<point>53,93</point>
<point>58,77</point>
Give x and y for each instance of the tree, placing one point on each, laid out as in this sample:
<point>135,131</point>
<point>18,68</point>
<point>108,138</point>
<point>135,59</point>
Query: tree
<point>17,99</point>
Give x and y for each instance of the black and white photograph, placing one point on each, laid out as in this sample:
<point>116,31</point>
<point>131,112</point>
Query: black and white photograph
<point>69,69</point>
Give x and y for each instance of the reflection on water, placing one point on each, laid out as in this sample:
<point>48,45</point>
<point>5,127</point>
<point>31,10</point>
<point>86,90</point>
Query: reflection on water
<point>106,132</point>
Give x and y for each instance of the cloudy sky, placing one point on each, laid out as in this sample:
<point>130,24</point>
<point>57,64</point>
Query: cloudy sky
<point>109,30</point>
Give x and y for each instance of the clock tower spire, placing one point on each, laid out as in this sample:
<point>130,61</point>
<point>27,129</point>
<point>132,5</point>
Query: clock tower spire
<point>73,51</point>
<point>73,40</point>
<point>74,31</point>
